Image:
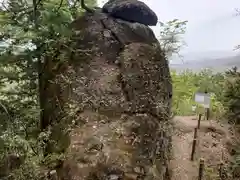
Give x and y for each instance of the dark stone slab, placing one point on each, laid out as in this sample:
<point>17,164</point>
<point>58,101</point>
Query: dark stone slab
<point>132,11</point>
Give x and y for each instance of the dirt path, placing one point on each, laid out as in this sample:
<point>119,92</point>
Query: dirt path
<point>212,139</point>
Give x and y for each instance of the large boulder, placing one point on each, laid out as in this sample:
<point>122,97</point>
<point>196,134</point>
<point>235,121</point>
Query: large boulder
<point>108,105</point>
<point>132,11</point>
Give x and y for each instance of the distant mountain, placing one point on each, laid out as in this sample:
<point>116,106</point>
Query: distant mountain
<point>216,64</point>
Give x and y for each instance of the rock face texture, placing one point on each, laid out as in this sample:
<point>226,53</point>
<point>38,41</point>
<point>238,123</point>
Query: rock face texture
<point>109,104</point>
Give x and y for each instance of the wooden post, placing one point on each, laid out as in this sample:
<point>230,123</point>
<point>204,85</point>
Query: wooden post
<point>194,144</point>
<point>201,169</point>
<point>207,113</point>
<point>207,110</point>
<point>199,120</point>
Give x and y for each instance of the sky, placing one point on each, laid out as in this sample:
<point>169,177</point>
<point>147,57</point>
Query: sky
<point>212,24</point>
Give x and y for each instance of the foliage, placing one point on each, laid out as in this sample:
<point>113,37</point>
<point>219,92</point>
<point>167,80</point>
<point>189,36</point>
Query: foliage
<point>187,83</point>
<point>171,36</point>
<point>232,95</point>
<point>30,30</point>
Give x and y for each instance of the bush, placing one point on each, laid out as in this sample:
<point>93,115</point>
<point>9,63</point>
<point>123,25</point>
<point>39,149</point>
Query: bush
<point>232,96</point>
<point>186,84</point>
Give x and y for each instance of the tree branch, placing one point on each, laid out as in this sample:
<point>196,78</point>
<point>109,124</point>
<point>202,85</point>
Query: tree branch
<point>83,5</point>
<point>60,5</point>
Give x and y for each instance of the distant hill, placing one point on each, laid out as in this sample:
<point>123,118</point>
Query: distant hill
<point>216,64</point>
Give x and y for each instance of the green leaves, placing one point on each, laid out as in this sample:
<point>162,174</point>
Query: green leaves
<point>186,84</point>
<point>28,33</point>
<point>232,95</point>
<point>171,36</point>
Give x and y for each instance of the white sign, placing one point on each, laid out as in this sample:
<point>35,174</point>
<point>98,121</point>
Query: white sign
<point>203,99</point>
<point>194,108</point>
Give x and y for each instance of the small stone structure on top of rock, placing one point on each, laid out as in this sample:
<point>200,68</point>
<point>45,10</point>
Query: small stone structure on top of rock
<point>132,11</point>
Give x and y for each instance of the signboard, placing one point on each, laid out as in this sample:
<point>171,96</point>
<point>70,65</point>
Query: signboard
<point>194,108</point>
<point>203,99</point>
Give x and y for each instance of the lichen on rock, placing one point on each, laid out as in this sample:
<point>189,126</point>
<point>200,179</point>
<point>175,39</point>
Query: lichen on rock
<point>117,89</point>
